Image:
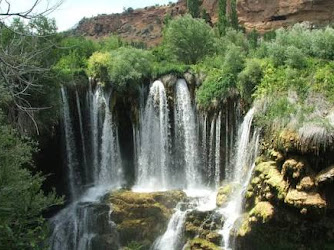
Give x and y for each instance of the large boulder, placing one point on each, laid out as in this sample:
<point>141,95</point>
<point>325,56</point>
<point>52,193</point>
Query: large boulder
<point>142,217</point>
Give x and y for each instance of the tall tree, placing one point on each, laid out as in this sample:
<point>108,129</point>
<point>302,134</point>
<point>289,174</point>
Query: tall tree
<point>222,19</point>
<point>193,8</point>
<point>234,15</point>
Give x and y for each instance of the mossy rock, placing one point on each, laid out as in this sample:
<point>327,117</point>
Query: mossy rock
<point>142,217</point>
<point>263,211</point>
<point>224,194</point>
<point>201,244</point>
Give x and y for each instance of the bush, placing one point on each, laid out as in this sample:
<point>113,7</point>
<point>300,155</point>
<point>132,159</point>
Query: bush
<point>249,78</point>
<point>98,65</point>
<point>295,58</point>
<point>21,199</point>
<point>216,87</point>
<point>189,39</point>
<point>129,66</point>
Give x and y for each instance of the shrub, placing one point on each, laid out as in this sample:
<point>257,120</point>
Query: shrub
<point>249,78</point>
<point>189,39</point>
<point>216,87</point>
<point>129,66</point>
<point>98,65</point>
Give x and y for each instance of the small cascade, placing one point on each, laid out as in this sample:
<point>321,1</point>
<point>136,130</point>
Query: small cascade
<point>82,135</point>
<point>79,226</point>
<point>110,167</point>
<point>217,153</point>
<point>204,121</point>
<point>94,122</point>
<point>72,163</point>
<point>186,125</point>
<point>172,238</point>
<point>247,146</point>
<point>153,159</point>
<point>211,164</point>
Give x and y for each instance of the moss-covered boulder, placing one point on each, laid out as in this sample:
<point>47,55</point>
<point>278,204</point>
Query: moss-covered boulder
<point>203,224</point>
<point>142,217</point>
<point>201,244</point>
<point>224,194</point>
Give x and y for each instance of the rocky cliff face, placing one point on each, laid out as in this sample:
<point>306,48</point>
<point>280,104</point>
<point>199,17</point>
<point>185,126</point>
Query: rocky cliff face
<point>289,201</point>
<point>145,25</point>
<point>264,15</point>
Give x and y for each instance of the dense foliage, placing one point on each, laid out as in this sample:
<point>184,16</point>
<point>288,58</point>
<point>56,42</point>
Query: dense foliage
<point>28,102</point>
<point>189,39</point>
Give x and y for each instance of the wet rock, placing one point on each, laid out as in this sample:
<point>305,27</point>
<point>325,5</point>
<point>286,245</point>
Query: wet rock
<point>169,80</point>
<point>201,244</point>
<point>305,200</point>
<point>326,175</point>
<point>294,169</point>
<point>306,184</point>
<point>142,217</point>
<point>190,78</point>
<point>223,194</point>
<point>263,211</point>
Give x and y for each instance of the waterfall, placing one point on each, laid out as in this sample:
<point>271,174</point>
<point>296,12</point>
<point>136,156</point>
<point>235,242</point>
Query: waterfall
<point>72,163</point>
<point>172,238</point>
<point>110,167</point>
<point>82,136</point>
<point>94,117</point>
<point>217,153</point>
<point>247,145</point>
<point>211,152</point>
<point>153,171</point>
<point>186,124</point>
<point>79,225</point>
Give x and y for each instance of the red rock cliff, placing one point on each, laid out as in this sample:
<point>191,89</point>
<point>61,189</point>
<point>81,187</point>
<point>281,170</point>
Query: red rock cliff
<point>145,25</point>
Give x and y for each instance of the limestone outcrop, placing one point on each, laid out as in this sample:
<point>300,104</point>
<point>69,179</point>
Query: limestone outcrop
<point>142,217</point>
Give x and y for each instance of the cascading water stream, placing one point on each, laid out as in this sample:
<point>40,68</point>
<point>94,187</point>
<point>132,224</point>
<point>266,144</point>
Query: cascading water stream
<point>211,151</point>
<point>247,145</point>
<point>82,136</point>
<point>172,238</point>
<point>70,147</point>
<point>153,159</point>
<point>78,226</point>
<point>185,122</point>
<point>217,153</point>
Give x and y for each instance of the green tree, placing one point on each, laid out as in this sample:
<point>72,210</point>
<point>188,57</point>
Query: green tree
<point>222,18</point>
<point>205,15</point>
<point>193,8</point>
<point>234,15</point>
<point>128,66</point>
<point>189,39</point>
<point>21,199</point>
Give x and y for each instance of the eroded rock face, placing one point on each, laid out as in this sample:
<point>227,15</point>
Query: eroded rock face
<point>264,15</point>
<point>142,217</point>
<point>288,202</point>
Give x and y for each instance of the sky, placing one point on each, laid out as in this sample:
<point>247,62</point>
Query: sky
<point>72,11</point>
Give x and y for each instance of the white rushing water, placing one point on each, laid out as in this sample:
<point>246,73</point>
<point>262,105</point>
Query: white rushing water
<point>217,153</point>
<point>70,147</point>
<point>211,164</point>
<point>153,160</point>
<point>172,238</point>
<point>185,122</point>
<point>78,226</point>
<point>247,145</point>
<point>82,134</point>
